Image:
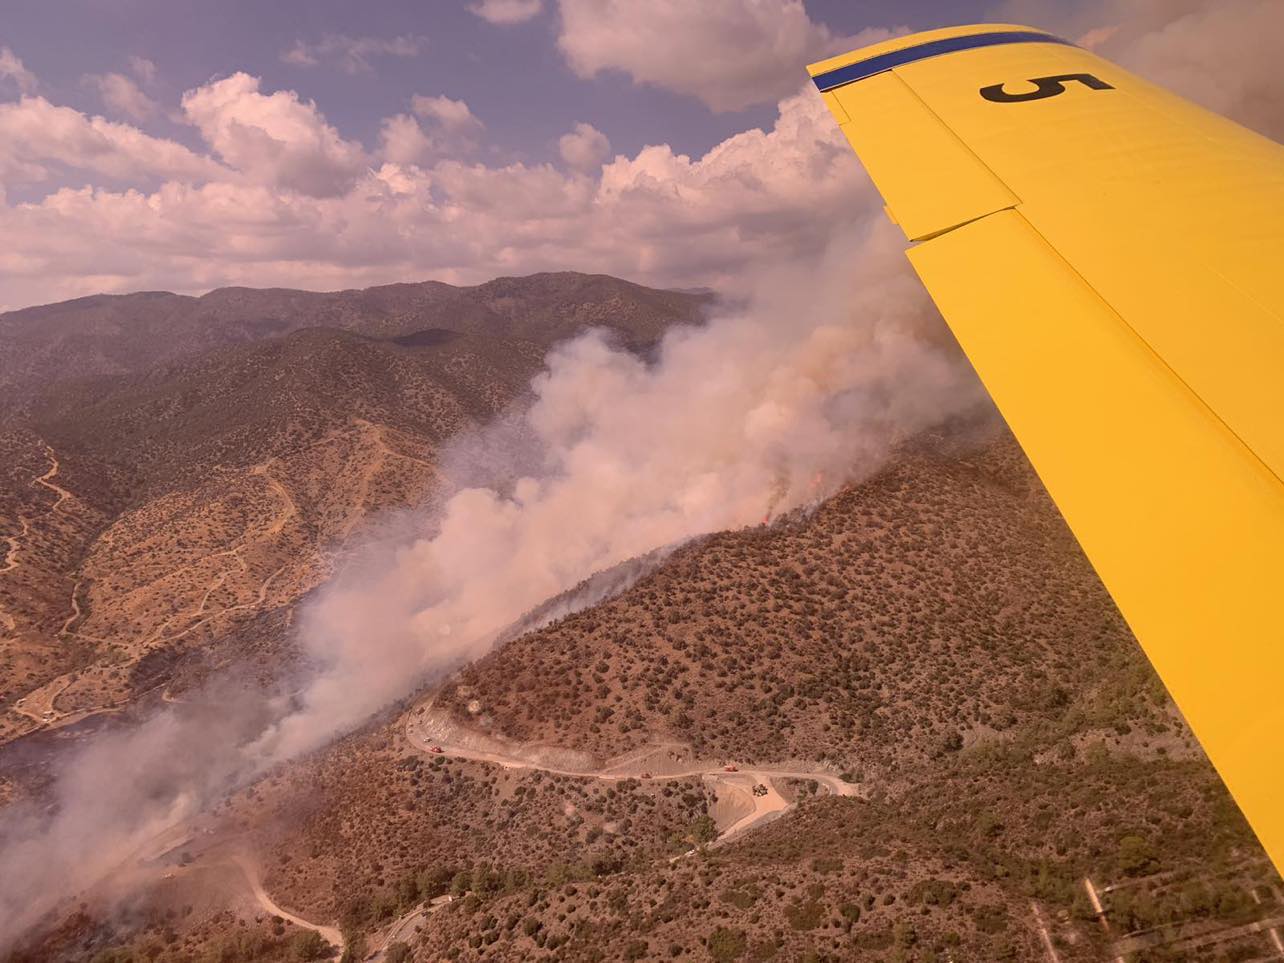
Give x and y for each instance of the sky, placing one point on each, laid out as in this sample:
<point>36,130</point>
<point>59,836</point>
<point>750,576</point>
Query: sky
<point>170,144</point>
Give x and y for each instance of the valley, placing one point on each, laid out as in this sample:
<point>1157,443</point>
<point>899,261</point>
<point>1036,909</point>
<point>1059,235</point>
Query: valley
<point>901,722</point>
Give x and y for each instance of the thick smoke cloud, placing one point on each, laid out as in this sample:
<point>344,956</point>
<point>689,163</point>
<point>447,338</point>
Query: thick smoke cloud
<point>834,356</point>
<point>759,412</point>
<point>117,794</point>
<point>767,407</point>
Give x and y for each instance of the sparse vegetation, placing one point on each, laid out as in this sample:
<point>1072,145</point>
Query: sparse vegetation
<point>933,634</point>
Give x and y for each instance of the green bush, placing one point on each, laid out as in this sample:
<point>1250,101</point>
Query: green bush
<point>307,945</point>
<point>704,830</point>
<point>1136,856</point>
<point>355,950</point>
<point>805,916</point>
<point>726,945</point>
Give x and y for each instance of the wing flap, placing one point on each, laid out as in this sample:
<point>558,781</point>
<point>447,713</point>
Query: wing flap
<point>1125,308</point>
<point>929,179</point>
<point>1175,216</point>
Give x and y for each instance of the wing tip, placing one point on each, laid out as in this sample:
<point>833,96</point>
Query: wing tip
<point>875,58</point>
<point>908,40</point>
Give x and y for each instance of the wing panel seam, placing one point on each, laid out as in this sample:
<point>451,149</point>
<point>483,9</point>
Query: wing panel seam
<point>1133,331</point>
<point>862,69</point>
<point>967,147</point>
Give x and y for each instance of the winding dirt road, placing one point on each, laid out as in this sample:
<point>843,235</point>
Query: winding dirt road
<point>46,480</point>
<point>741,782</point>
<point>15,543</point>
<point>328,933</point>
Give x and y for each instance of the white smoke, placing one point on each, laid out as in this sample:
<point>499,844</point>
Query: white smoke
<point>828,364</point>
<point>764,408</point>
<point>116,794</point>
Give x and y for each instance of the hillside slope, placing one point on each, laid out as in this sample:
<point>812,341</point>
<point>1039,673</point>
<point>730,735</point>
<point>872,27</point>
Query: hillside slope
<point>923,672</point>
<point>177,467</point>
<point>117,334</point>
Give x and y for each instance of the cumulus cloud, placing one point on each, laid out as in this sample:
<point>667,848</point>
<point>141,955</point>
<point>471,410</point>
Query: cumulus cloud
<point>731,54</point>
<point>274,139</point>
<point>143,69</point>
<point>507,12</point>
<point>450,114</point>
<point>15,73</point>
<point>302,206</point>
<point>403,141</point>
<point>122,95</point>
<point>659,216</point>
<point>442,127</point>
<point>353,55</point>
<point>39,139</point>
<point>584,148</point>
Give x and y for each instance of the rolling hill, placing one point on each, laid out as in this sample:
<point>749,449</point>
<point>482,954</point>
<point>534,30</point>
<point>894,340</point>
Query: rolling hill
<point>180,466</point>
<point>903,723</point>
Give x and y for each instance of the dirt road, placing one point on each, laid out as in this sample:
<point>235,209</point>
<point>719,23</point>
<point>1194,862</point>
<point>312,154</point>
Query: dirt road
<point>47,480</point>
<point>328,933</point>
<point>762,807</point>
<point>38,704</point>
<point>404,928</point>
<point>15,543</point>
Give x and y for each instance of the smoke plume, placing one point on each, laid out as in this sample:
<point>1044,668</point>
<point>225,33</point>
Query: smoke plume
<point>768,406</point>
<point>759,411</point>
<point>765,408</point>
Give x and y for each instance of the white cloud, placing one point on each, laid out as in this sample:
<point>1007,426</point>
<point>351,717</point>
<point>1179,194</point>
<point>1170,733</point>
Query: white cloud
<point>403,141</point>
<point>507,12</point>
<point>13,70</point>
<point>584,148</point>
<point>730,54</point>
<point>352,54</point>
<point>447,113</point>
<point>301,207</point>
<point>274,139</point>
<point>143,69</point>
<point>38,139</point>
<point>122,96</point>
<point>449,129</point>
<point>659,216</point>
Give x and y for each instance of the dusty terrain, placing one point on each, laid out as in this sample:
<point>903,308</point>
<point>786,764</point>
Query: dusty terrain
<point>906,724</point>
<point>968,814</point>
<point>176,468</point>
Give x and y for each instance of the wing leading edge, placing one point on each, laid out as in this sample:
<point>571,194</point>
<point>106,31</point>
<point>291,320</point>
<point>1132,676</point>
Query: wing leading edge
<point>1108,256</point>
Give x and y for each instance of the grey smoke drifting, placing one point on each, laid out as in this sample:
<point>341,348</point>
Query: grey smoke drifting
<point>766,408</point>
<point>763,409</point>
<point>118,792</point>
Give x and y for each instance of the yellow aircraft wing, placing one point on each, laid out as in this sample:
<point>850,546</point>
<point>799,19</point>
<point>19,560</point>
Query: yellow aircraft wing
<point>1111,259</point>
